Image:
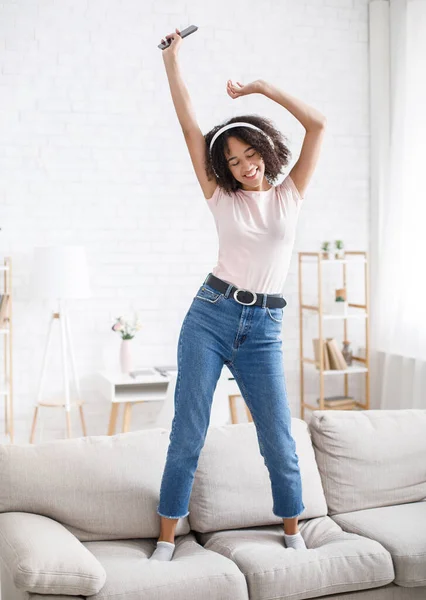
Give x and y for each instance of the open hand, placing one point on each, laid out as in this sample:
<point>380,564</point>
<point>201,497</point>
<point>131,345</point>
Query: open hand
<point>235,91</point>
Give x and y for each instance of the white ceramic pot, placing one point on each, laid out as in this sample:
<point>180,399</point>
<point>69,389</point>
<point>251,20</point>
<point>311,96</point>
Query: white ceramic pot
<point>340,308</point>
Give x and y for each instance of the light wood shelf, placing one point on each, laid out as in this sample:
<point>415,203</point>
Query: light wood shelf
<point>355,311</point>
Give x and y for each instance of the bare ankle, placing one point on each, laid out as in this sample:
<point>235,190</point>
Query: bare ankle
<point>167,530</point>
<point>291,526</point>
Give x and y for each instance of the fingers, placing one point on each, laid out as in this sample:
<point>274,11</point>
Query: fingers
<point>231,89</point>
<point>170,37</point>
<point>232,86</point>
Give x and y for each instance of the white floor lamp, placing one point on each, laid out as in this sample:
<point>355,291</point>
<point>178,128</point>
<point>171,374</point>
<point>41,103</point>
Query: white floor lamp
<point>59,274</point>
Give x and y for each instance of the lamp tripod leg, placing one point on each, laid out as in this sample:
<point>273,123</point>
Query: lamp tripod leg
<point>42,375</point>
<point>74,372</point>
<point>65,369</point>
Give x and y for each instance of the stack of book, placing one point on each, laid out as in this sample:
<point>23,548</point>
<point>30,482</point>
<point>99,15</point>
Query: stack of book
<point>333,358</point>
<point>338,401</point>
<point>4,305</point>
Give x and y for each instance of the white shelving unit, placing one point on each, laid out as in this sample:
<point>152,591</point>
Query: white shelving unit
<point>355,311</point>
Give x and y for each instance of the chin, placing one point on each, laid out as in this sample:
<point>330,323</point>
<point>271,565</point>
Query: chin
<point>255,182</point>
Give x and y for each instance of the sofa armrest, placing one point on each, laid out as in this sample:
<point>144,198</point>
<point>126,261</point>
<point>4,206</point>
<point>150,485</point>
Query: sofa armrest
<point>43,557</point>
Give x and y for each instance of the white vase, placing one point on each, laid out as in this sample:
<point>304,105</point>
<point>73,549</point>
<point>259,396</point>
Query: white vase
<point>126,359</point>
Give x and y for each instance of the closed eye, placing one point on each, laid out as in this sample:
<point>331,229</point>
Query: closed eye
<point>249,155</point>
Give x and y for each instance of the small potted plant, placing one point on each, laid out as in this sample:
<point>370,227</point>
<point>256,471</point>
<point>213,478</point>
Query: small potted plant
<point>127,328</point>
<point>339,252</point>
<point>326,252</point>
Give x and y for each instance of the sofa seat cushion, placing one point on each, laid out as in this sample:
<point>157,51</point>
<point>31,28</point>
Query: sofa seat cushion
<point>232,488</point>
<point>387,592</point>
<point>193,573</point>
<point>401,530</point>
<point>335,562</point>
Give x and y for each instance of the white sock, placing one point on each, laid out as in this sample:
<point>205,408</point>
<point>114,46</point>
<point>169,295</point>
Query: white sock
<point>295,541</point>
<point>163,551</point>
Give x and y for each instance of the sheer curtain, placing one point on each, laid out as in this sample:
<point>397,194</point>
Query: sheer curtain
<point>398,224</point>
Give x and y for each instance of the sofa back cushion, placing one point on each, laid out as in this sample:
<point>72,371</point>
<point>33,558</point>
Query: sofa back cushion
<point>371,458</point>
<point>99,487</point>
<point>232,488</point>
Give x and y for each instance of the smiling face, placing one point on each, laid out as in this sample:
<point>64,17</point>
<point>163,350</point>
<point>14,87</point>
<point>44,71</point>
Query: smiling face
<point>244,161</point>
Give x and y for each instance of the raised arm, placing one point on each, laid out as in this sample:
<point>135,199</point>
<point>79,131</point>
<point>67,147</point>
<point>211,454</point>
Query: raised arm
<point>311,119</point>
<point>185,112</point>
<point>314,123</point>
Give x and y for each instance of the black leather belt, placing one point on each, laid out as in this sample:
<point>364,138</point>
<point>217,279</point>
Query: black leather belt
<point>245,296</point>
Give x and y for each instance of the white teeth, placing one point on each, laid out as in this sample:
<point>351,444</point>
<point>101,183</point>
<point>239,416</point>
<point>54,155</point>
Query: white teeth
<point>251,174</point>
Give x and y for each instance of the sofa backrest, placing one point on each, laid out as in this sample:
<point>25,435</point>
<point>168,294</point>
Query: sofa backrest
<point>232,488</point>
<point>370,458</point>
<point>99,487</point>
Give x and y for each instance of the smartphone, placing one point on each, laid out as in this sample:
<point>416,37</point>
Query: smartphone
<point>183,33</point>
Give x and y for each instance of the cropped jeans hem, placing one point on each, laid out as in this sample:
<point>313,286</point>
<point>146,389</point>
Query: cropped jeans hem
<point>169,517</point>
<point>293,517</point>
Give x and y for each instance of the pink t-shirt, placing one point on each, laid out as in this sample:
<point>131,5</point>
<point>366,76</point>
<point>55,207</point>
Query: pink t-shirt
<point>256,235</point>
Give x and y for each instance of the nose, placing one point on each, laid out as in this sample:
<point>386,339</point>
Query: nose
<point>248,166</point>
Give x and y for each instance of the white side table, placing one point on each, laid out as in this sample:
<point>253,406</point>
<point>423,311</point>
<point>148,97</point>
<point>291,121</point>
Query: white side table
<point>120,388</point>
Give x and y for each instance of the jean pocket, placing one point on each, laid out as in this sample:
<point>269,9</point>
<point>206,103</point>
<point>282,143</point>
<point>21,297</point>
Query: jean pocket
<point>209,294</point>
<point>275,314</point>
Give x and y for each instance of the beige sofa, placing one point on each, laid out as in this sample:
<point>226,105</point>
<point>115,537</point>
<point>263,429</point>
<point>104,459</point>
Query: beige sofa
<point>78,517</point>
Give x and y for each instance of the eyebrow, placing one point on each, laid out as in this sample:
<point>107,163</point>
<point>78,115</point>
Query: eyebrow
<point>246,150</point>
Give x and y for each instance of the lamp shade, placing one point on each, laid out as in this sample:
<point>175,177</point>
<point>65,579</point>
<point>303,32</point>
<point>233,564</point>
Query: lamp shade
<point>60,272</point>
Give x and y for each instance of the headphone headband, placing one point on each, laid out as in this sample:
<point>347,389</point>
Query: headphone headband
<point>238,124</point>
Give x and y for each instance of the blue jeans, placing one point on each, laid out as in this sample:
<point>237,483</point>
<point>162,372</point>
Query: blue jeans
<point>218,330</point>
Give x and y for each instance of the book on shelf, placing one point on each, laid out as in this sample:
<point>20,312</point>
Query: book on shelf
<point>4,306</point>
<point>333,358</point>
<point>326,360</point>
<point>337,360</point>
<point>337,401</point>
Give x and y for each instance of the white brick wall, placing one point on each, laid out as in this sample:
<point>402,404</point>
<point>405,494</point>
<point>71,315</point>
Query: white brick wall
<point>91,153</point>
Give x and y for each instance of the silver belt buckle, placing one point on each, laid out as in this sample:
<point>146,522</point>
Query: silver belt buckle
<point>245,303</point>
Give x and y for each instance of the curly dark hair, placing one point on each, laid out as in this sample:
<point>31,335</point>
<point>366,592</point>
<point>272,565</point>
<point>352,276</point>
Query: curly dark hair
<point>274,158</point>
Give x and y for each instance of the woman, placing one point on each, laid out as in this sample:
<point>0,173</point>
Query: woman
<point>228,322</point>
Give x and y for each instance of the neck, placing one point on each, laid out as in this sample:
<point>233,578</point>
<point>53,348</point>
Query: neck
<point>263,187</point>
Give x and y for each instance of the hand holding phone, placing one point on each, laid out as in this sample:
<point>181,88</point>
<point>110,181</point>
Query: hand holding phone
<point>169,38</point>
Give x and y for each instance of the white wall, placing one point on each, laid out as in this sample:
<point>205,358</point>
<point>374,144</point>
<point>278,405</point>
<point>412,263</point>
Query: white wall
<point>91,153</point>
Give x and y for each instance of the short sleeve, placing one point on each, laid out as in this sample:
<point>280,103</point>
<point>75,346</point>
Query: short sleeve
<point>212,202</point>
<point>290,192</point>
